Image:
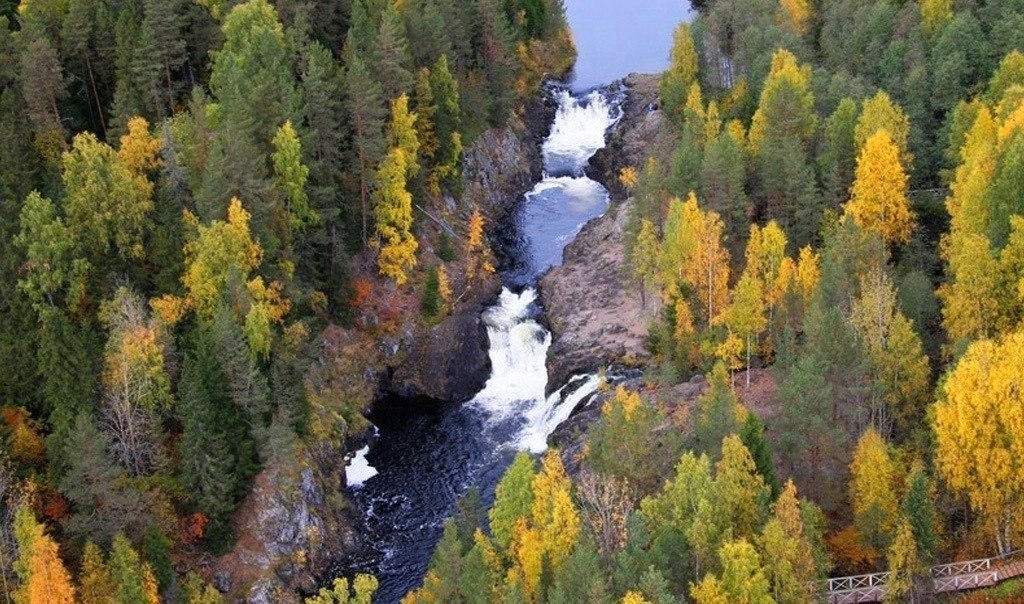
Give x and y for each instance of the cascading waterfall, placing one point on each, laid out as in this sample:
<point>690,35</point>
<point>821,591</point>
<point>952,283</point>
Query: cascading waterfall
<point>515,390</point>
<point>409,480</point>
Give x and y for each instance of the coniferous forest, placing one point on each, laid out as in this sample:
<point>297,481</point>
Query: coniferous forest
<point>215,215</point>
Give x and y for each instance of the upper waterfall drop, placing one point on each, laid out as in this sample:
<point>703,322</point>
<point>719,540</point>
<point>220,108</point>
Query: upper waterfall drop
<point>578,132</point>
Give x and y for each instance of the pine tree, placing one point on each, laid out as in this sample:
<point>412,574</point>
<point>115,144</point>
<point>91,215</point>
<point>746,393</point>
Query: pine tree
<point>878,198</point>
<point>367,111</point>
<point>77,32</point>
<point>719,409</point>
<point>43,87</point>
<point>163,18</point>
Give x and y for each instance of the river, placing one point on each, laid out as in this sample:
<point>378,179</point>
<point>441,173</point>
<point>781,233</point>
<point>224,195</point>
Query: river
<point>615,38</point>
<point>408,482</point>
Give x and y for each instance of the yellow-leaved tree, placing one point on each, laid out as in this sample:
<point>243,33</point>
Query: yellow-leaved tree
<point>478,254</point>
<point>878,197</point>
<point>743,578</point>
<point>881,113</point>
<point>797,15</point>
<point>793,569</point>
<point>542,540</point>
<point>935,14</point>
<point>392,201</point>
<point>44,580</point>
<point>746,315</point>
<point>786,106</point>
<point>873,492</point>
<point>979,433</point>
<point>693,257</point>
<point>681,74</point>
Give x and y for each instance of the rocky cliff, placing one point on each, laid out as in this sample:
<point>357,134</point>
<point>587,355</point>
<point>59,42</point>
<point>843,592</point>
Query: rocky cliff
<point>449,362</point>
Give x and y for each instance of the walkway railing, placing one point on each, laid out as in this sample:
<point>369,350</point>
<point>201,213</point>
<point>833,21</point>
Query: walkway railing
<point>951,577</point>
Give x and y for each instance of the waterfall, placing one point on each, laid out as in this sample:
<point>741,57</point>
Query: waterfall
<point>578,131</point>
<point>519,375</point>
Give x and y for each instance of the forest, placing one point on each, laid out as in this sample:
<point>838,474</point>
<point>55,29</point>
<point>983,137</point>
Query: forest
<point>195,197</point>
<point>834,205</point>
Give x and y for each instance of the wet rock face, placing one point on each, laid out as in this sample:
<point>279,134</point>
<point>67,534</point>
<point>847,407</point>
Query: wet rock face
<point>630,143</point>
<point>595,312</point>
<point>449,362</point>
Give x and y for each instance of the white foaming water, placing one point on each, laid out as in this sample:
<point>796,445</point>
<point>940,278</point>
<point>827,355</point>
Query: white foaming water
<point>518,351</point>
<point>578,131</point>
<point>359,469</point>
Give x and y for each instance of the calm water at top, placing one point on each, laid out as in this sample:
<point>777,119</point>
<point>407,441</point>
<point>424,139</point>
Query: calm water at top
<point>618,37</point>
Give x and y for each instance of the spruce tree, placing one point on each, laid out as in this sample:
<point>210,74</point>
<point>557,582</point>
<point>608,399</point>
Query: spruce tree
<point>207,454</point>
<point>394,62</point>
<point>105,503</point>
<point>447,124</point>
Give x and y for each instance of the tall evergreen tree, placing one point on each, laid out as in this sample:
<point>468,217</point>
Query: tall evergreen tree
<point>105,504</point>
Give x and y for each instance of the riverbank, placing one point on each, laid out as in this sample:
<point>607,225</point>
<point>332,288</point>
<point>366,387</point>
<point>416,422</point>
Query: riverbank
<point>592,305</point>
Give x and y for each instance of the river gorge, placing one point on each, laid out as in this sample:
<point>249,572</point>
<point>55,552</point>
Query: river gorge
<point>424,458</point>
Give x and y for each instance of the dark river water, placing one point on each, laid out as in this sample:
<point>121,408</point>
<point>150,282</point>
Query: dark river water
<point>617,37</point>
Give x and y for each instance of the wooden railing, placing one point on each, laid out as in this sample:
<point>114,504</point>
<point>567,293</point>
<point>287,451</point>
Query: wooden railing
<point>954,576</point>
